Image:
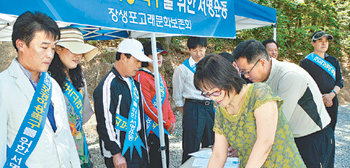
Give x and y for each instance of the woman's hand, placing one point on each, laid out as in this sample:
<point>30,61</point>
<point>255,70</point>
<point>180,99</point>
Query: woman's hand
<point>219,155</point>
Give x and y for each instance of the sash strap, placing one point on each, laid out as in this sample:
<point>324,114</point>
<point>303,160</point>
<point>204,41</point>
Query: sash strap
<point>32,126</point>
<point>132,137</point>
<point>187,64</point>
<point>76,100</point>
<point>324,64</point>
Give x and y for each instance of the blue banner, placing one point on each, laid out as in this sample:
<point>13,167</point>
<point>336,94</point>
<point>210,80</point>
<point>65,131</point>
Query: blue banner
<point>187,64</point>
<point>132,137</point>
<point>325,65</point>
<point>209,18</point>
<point>32,126</point>
<point>76,100</point>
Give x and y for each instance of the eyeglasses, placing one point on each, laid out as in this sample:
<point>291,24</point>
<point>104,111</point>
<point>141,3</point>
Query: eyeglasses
<point>247,73</point>
<point>214,94</point>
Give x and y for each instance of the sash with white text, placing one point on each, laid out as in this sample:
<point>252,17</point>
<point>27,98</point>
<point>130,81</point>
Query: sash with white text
<point>132,138</point>
<point>152,125</point>
<point>76,100</point>
<point>325,65</point>
<point>32,126</point>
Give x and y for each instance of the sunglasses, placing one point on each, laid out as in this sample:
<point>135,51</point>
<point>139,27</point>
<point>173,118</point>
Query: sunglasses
<point>214,94</point>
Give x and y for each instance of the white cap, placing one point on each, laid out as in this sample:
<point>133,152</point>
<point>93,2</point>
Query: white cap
<point>134,48</point>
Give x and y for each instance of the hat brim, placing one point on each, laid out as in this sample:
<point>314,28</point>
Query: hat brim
<point>329,37</point>
<point>142,58</point>
<point>87,50</point>
<point>159,51</point>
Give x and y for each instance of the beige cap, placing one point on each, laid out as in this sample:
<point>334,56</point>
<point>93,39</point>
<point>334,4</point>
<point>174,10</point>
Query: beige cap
<point>72,39</point>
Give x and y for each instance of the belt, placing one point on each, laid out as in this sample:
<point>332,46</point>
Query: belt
<point>205,102</point>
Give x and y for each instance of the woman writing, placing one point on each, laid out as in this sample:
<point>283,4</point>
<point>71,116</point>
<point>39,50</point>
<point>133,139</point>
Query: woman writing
<point>249,118</point>
<point>66,70</point>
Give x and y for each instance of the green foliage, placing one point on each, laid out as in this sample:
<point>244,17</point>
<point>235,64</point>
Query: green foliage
<point>298,19</point>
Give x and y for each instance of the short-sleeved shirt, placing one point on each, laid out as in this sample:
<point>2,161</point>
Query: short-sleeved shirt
<point>240,130</point>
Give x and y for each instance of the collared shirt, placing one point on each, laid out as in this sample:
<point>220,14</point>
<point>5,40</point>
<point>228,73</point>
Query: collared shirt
<point>50,114</point>
<point>28,74</point>
<point>301,97</point>
<point>183,86</point>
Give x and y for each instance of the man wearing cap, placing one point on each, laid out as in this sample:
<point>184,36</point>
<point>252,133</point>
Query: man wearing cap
<point>197,110</point>
<point>119,111</point>
<point>303,105</point>
<point>34,125</point>
<point>271,48</point>
<point>326,71</point>
<point>146,78</point>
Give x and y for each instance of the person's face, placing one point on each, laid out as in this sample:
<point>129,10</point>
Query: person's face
<point>321,45</point>
<point>255,71</point>
<point>160,60</point>
<point>69,59</point>
<point>132,66</point>
<point>272,50</point>
<point>38,55</point>
<point>197,53</point>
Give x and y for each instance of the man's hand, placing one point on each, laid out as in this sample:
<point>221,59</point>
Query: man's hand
<point>119,161</point>
<point>181,109</point>
<point>328,99</point>
<point>172,128</point>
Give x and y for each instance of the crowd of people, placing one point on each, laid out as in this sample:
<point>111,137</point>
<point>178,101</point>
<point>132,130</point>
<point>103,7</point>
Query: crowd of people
<point>247,104</point>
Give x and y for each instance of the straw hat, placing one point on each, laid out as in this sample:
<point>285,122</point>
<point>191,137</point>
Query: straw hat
<point>72,39</point>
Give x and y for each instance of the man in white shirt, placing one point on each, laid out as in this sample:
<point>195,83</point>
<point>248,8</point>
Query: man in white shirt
<point>303,105</point>
<point>197,110</point>
<point>33,122</point>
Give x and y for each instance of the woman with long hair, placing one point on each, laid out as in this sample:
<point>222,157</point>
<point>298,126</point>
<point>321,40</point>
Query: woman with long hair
<point>66,70</point>
<point>249,118</point>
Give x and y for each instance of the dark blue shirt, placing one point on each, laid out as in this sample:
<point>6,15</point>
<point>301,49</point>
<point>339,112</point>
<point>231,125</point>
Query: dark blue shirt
<point>324,80</point>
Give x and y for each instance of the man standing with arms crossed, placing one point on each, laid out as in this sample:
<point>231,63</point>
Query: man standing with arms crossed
<point>326,72</point>
<point>197,110</point>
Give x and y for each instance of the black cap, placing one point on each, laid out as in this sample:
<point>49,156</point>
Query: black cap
<point>147,47</point>
<point>319,34</point>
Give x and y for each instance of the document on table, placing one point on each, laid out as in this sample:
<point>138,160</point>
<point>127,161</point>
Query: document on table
<point>201,159</point>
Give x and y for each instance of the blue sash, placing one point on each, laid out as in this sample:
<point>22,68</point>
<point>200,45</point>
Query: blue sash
<point>76,100</point>
<point>32,125</point>
<point>325,65</point>
<point>187,64</point>
<point>132,138</point>
<point>150,124</point>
